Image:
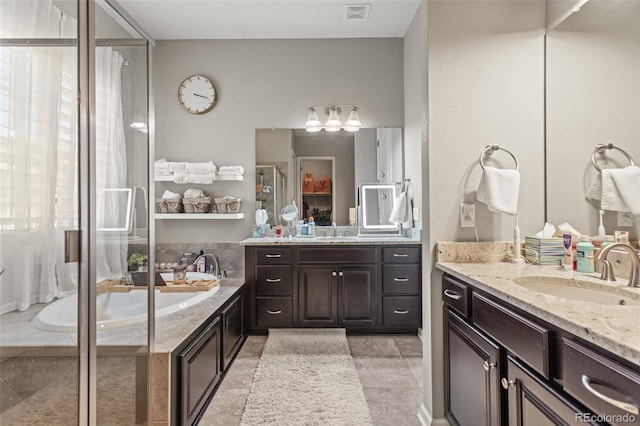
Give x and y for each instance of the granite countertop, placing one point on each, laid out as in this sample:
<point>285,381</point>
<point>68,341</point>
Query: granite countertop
<point>614,328</point>
<point>328,241</point>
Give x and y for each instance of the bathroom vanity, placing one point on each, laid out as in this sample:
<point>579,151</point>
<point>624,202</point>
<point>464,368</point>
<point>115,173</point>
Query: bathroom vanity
<point>519,357</point>
<point>363,286</point>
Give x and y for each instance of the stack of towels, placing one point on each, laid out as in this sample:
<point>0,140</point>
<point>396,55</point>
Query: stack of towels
<point>184,172</point>
<point>230,172</point>
<point>618,190</point>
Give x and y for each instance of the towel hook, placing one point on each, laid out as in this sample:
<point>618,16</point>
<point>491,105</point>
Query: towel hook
<point>490,148</point>
<point>604,147</point>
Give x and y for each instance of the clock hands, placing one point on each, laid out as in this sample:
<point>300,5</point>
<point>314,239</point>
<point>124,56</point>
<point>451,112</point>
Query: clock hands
<point>201,96</point>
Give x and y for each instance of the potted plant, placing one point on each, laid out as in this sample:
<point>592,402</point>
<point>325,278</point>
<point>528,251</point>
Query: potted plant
<point>137,261</point>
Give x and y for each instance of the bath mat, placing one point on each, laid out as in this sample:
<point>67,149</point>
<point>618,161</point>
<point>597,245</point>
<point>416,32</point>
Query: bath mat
<point>306,377</point>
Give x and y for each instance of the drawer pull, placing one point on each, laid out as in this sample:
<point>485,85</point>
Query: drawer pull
<point>272,280</point>
<point>274,312</point>
<point>452,294</point>
<point>276,256</point>
<point>489,366</point>
<point>506,384</point>
<point>401,280</point>
<point>400,312</point>
<point>400,255</point>
<point>630,408</point>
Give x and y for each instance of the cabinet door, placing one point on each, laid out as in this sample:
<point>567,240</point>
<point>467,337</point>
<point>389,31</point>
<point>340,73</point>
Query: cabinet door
<point>317,287</point>
<point>472,374</point>
<point>532,402</point>
<point>232,331</point>
<point>356,295</point>
<point>199,372</point>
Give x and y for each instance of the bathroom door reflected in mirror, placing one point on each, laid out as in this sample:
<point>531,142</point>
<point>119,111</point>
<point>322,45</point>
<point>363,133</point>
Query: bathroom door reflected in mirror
<point>593,97</point>
<point>368,156</point>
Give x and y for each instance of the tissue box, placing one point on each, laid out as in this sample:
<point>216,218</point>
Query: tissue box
<point>550,250</point>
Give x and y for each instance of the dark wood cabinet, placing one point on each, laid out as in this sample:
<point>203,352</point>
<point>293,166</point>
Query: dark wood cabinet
<point>199,372</point>
<point>356,296</point>
<point>472,374</point>
<point>317,289</point>
<point>232,331</point>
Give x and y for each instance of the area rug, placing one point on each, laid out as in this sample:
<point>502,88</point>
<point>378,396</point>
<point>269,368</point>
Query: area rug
<point>306,377</point>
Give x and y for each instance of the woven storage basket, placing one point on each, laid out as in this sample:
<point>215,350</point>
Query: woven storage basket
<point>197,205</point>
<point>169,205</point>
<point>220,205</point>
<point>233,205</point>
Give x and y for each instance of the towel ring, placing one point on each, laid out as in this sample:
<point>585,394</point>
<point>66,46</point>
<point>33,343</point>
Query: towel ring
<point>601,147</point>
<point>491,148</point>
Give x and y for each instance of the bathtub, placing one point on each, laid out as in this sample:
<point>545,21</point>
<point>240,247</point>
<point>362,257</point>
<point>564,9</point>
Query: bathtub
<point>118,309</point>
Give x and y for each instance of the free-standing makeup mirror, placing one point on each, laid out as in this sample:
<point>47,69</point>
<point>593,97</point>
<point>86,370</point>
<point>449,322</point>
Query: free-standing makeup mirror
<point>376,204</point>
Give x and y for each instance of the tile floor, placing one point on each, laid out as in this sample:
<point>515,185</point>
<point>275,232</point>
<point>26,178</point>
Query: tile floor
<point>390,369</point>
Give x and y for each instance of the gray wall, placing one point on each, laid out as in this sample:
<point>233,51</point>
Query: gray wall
<point>263,84</point>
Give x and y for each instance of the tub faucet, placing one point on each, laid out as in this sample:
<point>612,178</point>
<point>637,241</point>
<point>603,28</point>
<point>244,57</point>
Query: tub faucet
<point>335,229</point>
<point>214,267</point>
<point>607,269</point>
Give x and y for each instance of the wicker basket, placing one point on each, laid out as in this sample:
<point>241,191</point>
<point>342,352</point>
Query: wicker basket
<point>221,205</point>
<point>233,205</point>
<point>169,205</point>
<point>197,205</point>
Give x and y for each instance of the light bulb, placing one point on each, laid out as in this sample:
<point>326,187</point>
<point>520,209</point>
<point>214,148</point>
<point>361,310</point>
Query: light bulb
<point>312,119</point>
<point>313,129</point>
<point>332,129</point>
<point>334,120</point>
<point>354,118</point>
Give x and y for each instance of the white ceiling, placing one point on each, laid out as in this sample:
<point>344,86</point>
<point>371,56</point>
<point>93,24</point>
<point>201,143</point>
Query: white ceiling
<point>257,19</point>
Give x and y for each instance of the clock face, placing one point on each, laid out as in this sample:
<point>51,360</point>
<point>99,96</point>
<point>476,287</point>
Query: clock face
<point>197,94</point>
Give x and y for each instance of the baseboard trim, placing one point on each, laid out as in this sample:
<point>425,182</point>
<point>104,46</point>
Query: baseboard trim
<point>426,420</point>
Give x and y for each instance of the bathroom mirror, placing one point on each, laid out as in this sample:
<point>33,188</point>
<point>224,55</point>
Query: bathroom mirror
<point>376,204</point>
<point>592,97</point>
<point>371,155</point>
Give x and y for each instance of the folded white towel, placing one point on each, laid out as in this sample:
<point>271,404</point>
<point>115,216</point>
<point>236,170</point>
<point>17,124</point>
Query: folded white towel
<point>207,167</point>
<point>170,195</point>
<point>621,190</point>
<point>163,172</point>
<point>595,192</point>
<point>499,189</point>
<point>238,169</point>
<point>402,212</point>
<point>193,193</point>
<point>161,164</point>
<point>229,174</point>
<point>178,167</point>
<point>193,177</point>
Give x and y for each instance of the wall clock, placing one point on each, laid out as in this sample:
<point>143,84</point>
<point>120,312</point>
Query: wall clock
<point>197,94</point>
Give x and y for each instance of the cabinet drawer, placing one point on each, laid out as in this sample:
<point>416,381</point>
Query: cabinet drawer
<point>274,312</point>
<point>274,280</point>
<point>401,255</point>
<point>456,295</point>
<point>523,338</point>
<point>401,311</point>
<point>274,256</point>
<point>401,279</point>
<point>601,384</point>
<point>337,255</point>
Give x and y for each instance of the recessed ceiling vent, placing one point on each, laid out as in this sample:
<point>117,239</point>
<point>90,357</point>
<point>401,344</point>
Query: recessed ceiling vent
<point>357,12</point>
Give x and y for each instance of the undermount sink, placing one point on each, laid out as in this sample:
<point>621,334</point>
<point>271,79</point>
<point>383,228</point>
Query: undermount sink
<point>578,290</point>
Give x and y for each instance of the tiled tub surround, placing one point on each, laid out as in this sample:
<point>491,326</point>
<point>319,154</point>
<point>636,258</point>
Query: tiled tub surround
<point>614,328</point>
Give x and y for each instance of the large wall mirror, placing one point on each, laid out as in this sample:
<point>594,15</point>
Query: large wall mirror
<point>593,97</point>
<point>321,171</point>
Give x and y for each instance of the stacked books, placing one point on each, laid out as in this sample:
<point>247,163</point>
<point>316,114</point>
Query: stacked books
<point>550,250</point>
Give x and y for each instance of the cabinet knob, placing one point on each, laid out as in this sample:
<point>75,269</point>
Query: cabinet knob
<point>334,273</point>
<point>341,274</point>
<point>489,366</point>
<point>506,384</point>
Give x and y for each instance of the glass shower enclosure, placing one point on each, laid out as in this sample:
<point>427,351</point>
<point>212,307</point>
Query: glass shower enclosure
<point>270,191</point>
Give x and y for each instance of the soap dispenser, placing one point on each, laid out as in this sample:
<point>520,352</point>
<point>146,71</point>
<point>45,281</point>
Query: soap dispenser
<point>201,264</point>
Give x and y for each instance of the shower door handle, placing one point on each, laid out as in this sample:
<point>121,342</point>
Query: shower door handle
<point>72,246</point>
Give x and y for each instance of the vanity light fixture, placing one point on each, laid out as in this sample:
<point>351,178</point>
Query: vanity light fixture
<point>333,123</point>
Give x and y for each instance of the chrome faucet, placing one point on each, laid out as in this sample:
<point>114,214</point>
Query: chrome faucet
<point>335,229</point>
<point>213,268</point>
<point>607,269</point>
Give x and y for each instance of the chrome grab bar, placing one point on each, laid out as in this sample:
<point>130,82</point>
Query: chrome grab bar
<point>452,294</point>
<point>491,148</point>
<point>628,407</point>
<point>604,147</point>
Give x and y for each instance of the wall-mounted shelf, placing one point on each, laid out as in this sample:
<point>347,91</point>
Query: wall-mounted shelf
<point>184,216</point>
<point>218,178</point>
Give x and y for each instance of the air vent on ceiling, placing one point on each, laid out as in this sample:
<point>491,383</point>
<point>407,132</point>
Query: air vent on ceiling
<point>357,12</point>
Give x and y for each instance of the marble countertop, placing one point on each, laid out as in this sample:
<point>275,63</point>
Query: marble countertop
<point>614,328</point>
<point>326,241</point>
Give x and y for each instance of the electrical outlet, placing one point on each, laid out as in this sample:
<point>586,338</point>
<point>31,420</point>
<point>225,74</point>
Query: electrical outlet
<point>625,219</point>
<point>467,215</point>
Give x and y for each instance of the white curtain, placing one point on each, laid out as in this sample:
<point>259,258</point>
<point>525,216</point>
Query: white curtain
<point>38,154</point>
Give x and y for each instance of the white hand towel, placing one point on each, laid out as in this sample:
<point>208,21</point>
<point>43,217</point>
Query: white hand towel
<point>595,192</point>
<point>193,178</point>
<point>621,190</point>
<point>207,167</point>
<point>193,193</point>
<point>401,212</point>
<point>499,189</point>
<point>170,195</point>
<point>238,169</point>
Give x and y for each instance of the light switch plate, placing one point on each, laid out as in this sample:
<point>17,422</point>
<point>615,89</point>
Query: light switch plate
<point>625,219</point>
<point>467,215</point>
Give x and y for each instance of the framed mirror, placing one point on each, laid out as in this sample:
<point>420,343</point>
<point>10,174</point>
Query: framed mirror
<point>375,207</point>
